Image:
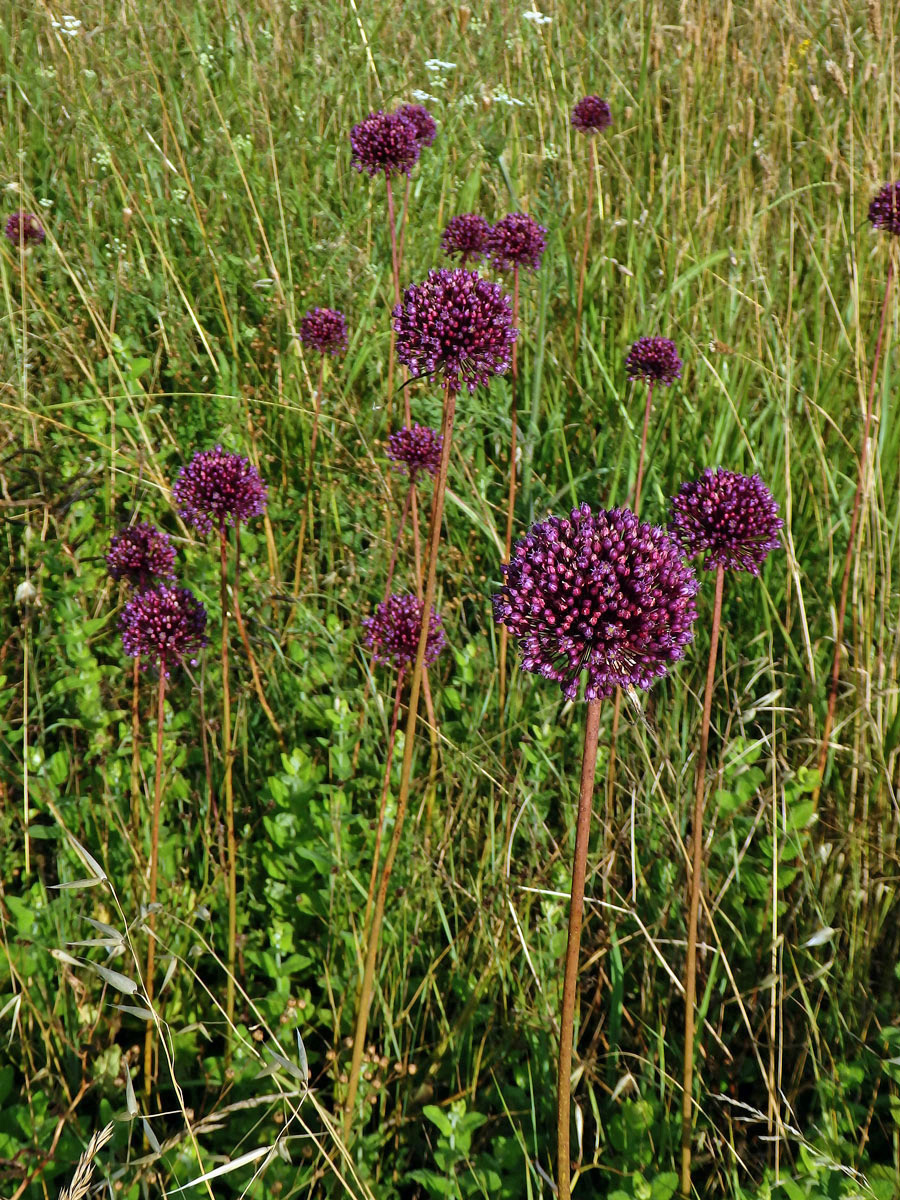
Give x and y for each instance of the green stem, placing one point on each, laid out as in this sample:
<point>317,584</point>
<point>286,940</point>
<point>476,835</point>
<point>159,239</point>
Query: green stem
<point>230,840</point>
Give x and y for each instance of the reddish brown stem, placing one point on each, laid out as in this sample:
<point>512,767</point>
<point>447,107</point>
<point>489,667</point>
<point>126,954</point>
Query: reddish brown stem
<point>136,744</point>
<point>582,270</point>
<point>228,759</point>
<point>573,946</point>
<point>368,980</point>
<point>511,501</point>
<point>641,456</point>
<point>690,971</point>
<point>154,867</point>
<point>851,539</point>
<point>385,787</point>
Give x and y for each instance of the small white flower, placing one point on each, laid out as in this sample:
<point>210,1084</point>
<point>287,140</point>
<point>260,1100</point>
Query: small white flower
<point>537,17</point>
<point>424,97</point>
<point>435,64</point>
<point>69,25</point>
<point>45,203</point>
<point>503,97</point>
<point>26,592</point>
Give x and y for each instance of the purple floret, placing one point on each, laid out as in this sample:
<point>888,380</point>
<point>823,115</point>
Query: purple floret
<point>163,625</point>
<point>598,593</point>
<point>394,629</point>
<point>884,211</point>
<point>414,449</point>
<point>324,330</point>
<point>141,554</point>
<point>385,142</point>
<point>455,326</point>
<point>591,114</point>
<point>422,121</point>
<point>731,519</point>
<point>517,241</point>
<point>465,238</point>
<point>653,359</point>
<point>24,228</point>
<point>216,489</point>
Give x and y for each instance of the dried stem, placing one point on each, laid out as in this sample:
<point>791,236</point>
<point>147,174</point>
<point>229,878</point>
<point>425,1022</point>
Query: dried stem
<point>640,470</point>
<point>851,539</point>
<point>511,503</point>
<point>366,989</point>
<point>228,758</point>
<point>154,867</point>
<point>573,946</point>
<point>307,518</point>
<point>690,970</point>
<point>582,270</point>
<point>242,630</point>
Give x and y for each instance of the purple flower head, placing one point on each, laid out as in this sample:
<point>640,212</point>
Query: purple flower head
<point>456,326</point>
<point>24,228</point>
<point>163,625</point>
<point>732,519</point>
<point>884,211</point>
<point>394,629</point>
<point>385,142</point>
<point>591,115</point>
<point>422,121</point>
<point>653,359</point>
<point>143,555</point>
<point>598,592</point>
<point>216,489</point>
<point>466,237</point>
<point>516,241</point>
<point>414,449</point>
<point>325,330</point>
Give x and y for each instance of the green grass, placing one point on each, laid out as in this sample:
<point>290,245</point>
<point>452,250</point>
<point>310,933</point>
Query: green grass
<point>191,163</point>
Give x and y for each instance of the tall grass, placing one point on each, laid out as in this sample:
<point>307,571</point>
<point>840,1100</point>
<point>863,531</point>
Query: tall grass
<point>192,167</point>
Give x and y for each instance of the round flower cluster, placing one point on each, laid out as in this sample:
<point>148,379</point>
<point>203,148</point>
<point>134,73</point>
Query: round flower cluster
<point>732,519</point>
<point>141,554</point>
<point>421,120</point>
<point>455,326</point>
<point>600,593</point>
<point>163,625</point>
<point>216,489</point>
<point>393,631</point>
<point>466,237</point>
<point>591,114</point>
<point>653,359</point>
<point>25,229</point>
<point>884,211</point>
<point>324,330</point>
<point>516,241</point>
<point>414,449</point>
<point>387,142</point>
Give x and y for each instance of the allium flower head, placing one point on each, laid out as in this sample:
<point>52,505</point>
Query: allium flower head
<point>394,629</point>
<point>455,326</point>
<point>466,237</point>
<point>732,519</point>
<point>600,593</point>
<point>414,449</point>
<point>163,625</point>
<point>216,489</point>
<point>143,555</point>
<point>516,241</point>
<point>591,115</point>
<point>422,121</point>
<point>24,227</point>
<point>884,211</point>
<point>653,359</point>
<point>385,142</point>
<point>324,330</point>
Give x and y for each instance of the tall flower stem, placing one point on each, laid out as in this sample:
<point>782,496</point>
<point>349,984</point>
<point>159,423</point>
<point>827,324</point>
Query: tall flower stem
<point>582,270</point>
<point>307,518</point>
<point>385,787</point>
<point>228,757</point>
<point>511,502</point>
<point>242,630</point>
<point>396,547</point>
<point>136,743</point>
<point>573,946</point>
<point>690,970</point>
<point>154,868</point>
<point>851,539</point>
<point>641,456</point>
<point>395,262</point>
<point>368,980</point>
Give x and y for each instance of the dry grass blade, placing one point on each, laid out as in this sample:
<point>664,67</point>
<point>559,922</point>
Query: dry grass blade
<point>81,1180</point>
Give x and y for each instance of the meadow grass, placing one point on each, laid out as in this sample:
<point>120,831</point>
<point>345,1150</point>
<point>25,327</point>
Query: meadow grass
<point>191,165</point>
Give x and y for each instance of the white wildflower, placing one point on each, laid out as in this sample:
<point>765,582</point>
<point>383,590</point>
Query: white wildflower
<point>537,17</point>
<point>435,64</point>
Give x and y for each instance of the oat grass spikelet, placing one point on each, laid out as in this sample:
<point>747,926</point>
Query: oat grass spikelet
<point>80,1186</point>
